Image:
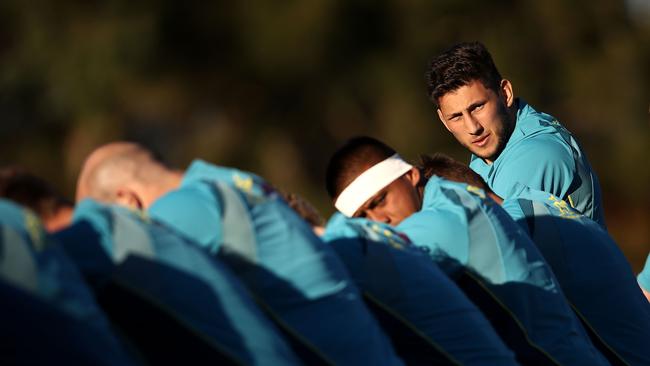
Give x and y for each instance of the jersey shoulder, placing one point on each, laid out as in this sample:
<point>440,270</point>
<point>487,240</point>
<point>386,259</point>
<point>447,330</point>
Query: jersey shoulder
<point>194,210</point>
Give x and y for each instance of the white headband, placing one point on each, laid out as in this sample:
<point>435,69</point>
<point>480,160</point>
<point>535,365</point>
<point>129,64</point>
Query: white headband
<point>369,183</point>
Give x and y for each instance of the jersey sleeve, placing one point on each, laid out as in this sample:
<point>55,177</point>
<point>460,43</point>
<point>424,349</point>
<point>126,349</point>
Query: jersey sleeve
<point>437,230</point>
<point>194,211</point>
<point>544,164</point>
<point>644,276</point>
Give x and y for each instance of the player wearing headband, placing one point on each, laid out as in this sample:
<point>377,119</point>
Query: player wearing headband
<point>403,288</point>
<point>242,220</point>
<point>459,221</point>
<point>589,266</point>
<point>510,142</point>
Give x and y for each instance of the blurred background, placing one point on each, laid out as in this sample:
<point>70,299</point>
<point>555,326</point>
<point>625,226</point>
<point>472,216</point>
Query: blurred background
<point>275,86</point>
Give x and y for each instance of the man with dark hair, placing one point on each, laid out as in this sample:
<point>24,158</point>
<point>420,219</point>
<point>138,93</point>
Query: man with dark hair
<point>357,156</point>
<point>457,221</point>
<point>511,143</point>
<point>589,266</point>
<point>446,167</point>
<point>403,288</point>
<point>27,189</point>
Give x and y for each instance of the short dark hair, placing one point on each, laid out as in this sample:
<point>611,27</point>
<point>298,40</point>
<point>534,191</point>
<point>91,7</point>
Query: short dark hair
<point>353,158</point>
<point>446,167</point>
<point>303,208</point>
<point>31,191</point>
<point>459,66</point>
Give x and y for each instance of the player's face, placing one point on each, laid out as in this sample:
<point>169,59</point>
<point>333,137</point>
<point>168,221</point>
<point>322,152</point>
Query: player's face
<point>395,202</point>
<point>479,118</point>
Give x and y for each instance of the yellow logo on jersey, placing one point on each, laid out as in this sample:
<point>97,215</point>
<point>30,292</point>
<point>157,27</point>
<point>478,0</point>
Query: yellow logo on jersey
<point>476,190</point>
<point>571,201</point>
<point>388,235</point>
<point>142,215</point>
<point>563,207</point>
<point>243,183</point>
<point>34,229</point>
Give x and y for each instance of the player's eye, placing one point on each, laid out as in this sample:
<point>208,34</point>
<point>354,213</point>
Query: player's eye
<point>477,107</point>
<point>380,200</point>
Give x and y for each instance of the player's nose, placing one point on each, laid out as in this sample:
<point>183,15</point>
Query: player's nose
<point>472,125</point>
<point>380,216</point>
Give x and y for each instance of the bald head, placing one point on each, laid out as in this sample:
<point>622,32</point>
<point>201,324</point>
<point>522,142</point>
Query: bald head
<point>124,173</point>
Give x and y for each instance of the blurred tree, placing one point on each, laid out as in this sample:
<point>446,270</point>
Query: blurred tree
<point>274,87</point>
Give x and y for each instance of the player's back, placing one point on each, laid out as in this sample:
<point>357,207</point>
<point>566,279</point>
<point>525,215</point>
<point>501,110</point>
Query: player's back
<point>44,297</point>
<point>460,221</point>
<point>279,258</point>
<point>591,269</point>
<point>116,244</point>
<point>407,284</point>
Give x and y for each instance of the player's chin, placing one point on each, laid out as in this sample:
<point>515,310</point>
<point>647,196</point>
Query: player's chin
<point>480,152</point>
<point>488,154</point>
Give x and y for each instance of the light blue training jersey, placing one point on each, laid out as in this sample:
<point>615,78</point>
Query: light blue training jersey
<point>239,216</point>
<point>160,264</point>
<point>403,279</point>
<point>34,263</point>
<point>458,220</point>
<point>644,276</point>
<point>543,155</point>
<point>591,269</point>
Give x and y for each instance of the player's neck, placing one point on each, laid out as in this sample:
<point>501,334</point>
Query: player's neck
<point>495,198</point>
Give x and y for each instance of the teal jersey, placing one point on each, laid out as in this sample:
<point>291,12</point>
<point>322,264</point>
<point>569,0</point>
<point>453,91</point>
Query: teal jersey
<point>644,276</point>
<point>161,265</point>
<point>34,332</point>
<point>34,263</point>
<point>591,269</point>
<point>404,280</point>
<point>458,220</point>
<point>543,155</point>
<point>244,221</point>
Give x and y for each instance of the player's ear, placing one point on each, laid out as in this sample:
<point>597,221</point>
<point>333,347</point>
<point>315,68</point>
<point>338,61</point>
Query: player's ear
<point>128,198</point>
<point>413,176</point>
<point>506,91</point>
<point>442,119</point>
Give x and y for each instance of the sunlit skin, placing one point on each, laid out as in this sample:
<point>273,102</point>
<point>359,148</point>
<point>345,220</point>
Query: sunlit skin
<point>59,220</point>
<point>395,202</point>
<point>480,119</point>
<point>646,293</point>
